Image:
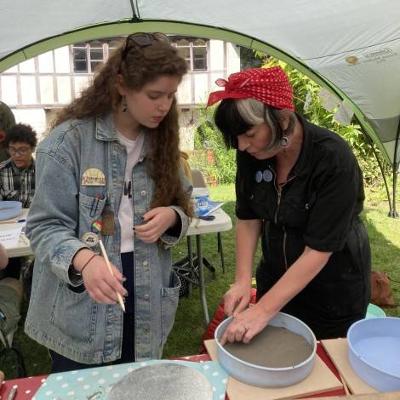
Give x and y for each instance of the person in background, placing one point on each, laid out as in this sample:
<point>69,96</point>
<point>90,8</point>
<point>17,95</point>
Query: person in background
<point>7,120</point>
<point>11,294</point>
<point>110,170</point>
<point>17,181</point>
<point>3,264</point>
<point>17,174</point>
<point>300,190</point>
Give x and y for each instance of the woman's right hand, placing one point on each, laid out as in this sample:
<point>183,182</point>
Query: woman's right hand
<point>237,298</point>
<point>101,285</point>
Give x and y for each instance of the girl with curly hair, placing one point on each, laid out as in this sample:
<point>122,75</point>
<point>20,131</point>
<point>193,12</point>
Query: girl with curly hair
<point>109,172</point>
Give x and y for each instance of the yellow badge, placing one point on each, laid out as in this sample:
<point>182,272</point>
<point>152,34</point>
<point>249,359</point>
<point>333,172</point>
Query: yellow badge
<point>93,177</point>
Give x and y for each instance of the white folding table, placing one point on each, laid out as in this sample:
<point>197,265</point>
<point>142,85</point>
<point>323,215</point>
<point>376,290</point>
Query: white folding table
<point>22,247</point>
<point>197,228</point>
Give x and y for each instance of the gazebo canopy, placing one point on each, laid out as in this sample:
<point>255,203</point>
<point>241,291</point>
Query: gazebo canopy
<point>350,46</point>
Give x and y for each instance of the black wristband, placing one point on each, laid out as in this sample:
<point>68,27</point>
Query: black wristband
<point>86,264</point>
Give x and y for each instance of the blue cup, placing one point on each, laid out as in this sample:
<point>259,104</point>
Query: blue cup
<point>201,203</point>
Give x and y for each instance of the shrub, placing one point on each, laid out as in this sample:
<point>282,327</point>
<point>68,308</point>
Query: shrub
<point>211,156</point>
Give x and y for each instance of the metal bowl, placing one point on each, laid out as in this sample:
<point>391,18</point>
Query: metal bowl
<point>167,381</point>
<point>257,375</point>
<point>374,352</point>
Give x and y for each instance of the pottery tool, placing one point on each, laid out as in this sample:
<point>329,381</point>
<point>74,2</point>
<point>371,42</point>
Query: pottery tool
<point>103,252</point>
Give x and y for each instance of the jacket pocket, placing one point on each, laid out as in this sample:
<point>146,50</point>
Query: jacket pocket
<point>90,210</point>
<point>67,313</point>
<point>169,304</point>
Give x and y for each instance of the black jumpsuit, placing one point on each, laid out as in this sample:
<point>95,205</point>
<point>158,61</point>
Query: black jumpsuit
<point>318,207</point>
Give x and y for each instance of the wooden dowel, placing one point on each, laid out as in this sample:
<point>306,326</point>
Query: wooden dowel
<point>103,252</point>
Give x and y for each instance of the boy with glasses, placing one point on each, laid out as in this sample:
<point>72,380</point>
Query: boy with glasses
<point>17,178</point>
<point>17,174</point>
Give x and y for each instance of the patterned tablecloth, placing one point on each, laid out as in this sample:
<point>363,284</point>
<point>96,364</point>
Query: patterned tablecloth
<point>76,385</point>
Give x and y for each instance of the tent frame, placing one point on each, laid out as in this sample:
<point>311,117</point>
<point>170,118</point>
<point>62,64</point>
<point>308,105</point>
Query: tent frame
<point>125,27</point>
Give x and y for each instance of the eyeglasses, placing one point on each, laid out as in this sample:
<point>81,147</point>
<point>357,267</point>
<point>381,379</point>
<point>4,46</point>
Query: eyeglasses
<point>22,151</point>
<point>142,39</point>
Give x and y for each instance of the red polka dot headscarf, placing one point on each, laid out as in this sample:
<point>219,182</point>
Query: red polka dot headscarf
<point>268,85</point>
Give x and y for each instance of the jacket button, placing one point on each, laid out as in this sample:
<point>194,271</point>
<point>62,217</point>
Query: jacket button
<point>143,193</point>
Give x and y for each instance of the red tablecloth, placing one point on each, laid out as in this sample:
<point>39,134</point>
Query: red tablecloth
<point>27,387</point>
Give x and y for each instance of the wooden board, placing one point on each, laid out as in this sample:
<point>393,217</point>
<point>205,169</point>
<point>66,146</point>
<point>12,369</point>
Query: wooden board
<point>320,380</point>
<point>338,353</point>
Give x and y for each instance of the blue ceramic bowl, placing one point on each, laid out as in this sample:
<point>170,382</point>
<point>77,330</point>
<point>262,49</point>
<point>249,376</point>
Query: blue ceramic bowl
<point>374,352</point>
<point>10,209</point>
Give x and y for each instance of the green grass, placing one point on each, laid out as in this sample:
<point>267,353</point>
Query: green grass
<point>189,327</point>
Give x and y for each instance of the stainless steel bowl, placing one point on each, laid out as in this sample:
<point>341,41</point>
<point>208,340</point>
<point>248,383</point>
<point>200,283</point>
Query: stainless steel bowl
<point>257,375</point>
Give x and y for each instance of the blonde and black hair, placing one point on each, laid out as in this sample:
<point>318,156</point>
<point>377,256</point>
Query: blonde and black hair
<point>236,117</point>
<point>139,65</point>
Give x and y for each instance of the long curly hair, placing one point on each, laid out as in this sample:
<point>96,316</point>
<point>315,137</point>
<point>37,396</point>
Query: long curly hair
<point>139,66</point>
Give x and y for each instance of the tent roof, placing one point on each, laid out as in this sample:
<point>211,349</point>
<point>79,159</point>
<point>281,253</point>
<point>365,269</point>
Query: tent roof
<point>351,46</point>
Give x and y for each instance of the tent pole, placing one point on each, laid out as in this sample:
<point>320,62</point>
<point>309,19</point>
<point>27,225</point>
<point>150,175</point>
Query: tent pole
<point>381,169</point>
<point>395,167</point>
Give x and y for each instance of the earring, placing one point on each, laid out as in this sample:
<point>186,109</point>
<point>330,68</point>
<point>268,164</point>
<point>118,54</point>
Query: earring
<point>124,104</point>
<point>284,141</point>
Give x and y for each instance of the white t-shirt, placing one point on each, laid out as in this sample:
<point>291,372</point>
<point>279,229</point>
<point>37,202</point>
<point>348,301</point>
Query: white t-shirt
<point>125,213</point>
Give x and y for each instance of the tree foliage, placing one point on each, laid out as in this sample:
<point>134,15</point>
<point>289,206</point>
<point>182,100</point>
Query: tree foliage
<point>222,167</point>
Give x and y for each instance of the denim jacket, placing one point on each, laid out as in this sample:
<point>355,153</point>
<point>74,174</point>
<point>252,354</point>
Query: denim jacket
<point>61,315</point>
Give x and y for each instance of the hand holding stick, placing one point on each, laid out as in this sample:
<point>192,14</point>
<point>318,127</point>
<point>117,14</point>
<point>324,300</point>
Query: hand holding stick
<point>103,252</point>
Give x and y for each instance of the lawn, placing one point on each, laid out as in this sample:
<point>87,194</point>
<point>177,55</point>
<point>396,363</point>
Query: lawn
<point>189,327</point>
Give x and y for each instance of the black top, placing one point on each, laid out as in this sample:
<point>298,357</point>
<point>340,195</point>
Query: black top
<point>318,207</point>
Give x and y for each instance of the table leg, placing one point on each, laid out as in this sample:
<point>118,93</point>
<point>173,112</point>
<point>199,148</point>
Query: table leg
<point>191,262</point>
<point>220,251</point>
<point>202,286</point>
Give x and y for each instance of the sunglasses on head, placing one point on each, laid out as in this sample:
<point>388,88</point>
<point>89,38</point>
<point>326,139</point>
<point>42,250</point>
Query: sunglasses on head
<point>143,39</point>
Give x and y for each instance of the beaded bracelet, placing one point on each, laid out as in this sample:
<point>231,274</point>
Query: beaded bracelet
<point>87,263</point>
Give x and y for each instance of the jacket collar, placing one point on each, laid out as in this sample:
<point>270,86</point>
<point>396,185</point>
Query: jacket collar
<point>106,131</point>
<point>105,128</point>
<point>303,162</point>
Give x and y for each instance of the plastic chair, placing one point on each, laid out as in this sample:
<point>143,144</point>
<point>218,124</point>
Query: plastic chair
<point>198,178</point>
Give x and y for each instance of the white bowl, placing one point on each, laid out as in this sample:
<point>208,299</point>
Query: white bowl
<point>257,375</point>
<point>374,352</point>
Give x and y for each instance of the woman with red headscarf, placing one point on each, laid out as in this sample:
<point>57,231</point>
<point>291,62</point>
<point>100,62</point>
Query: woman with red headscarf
<point>299,188</point>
